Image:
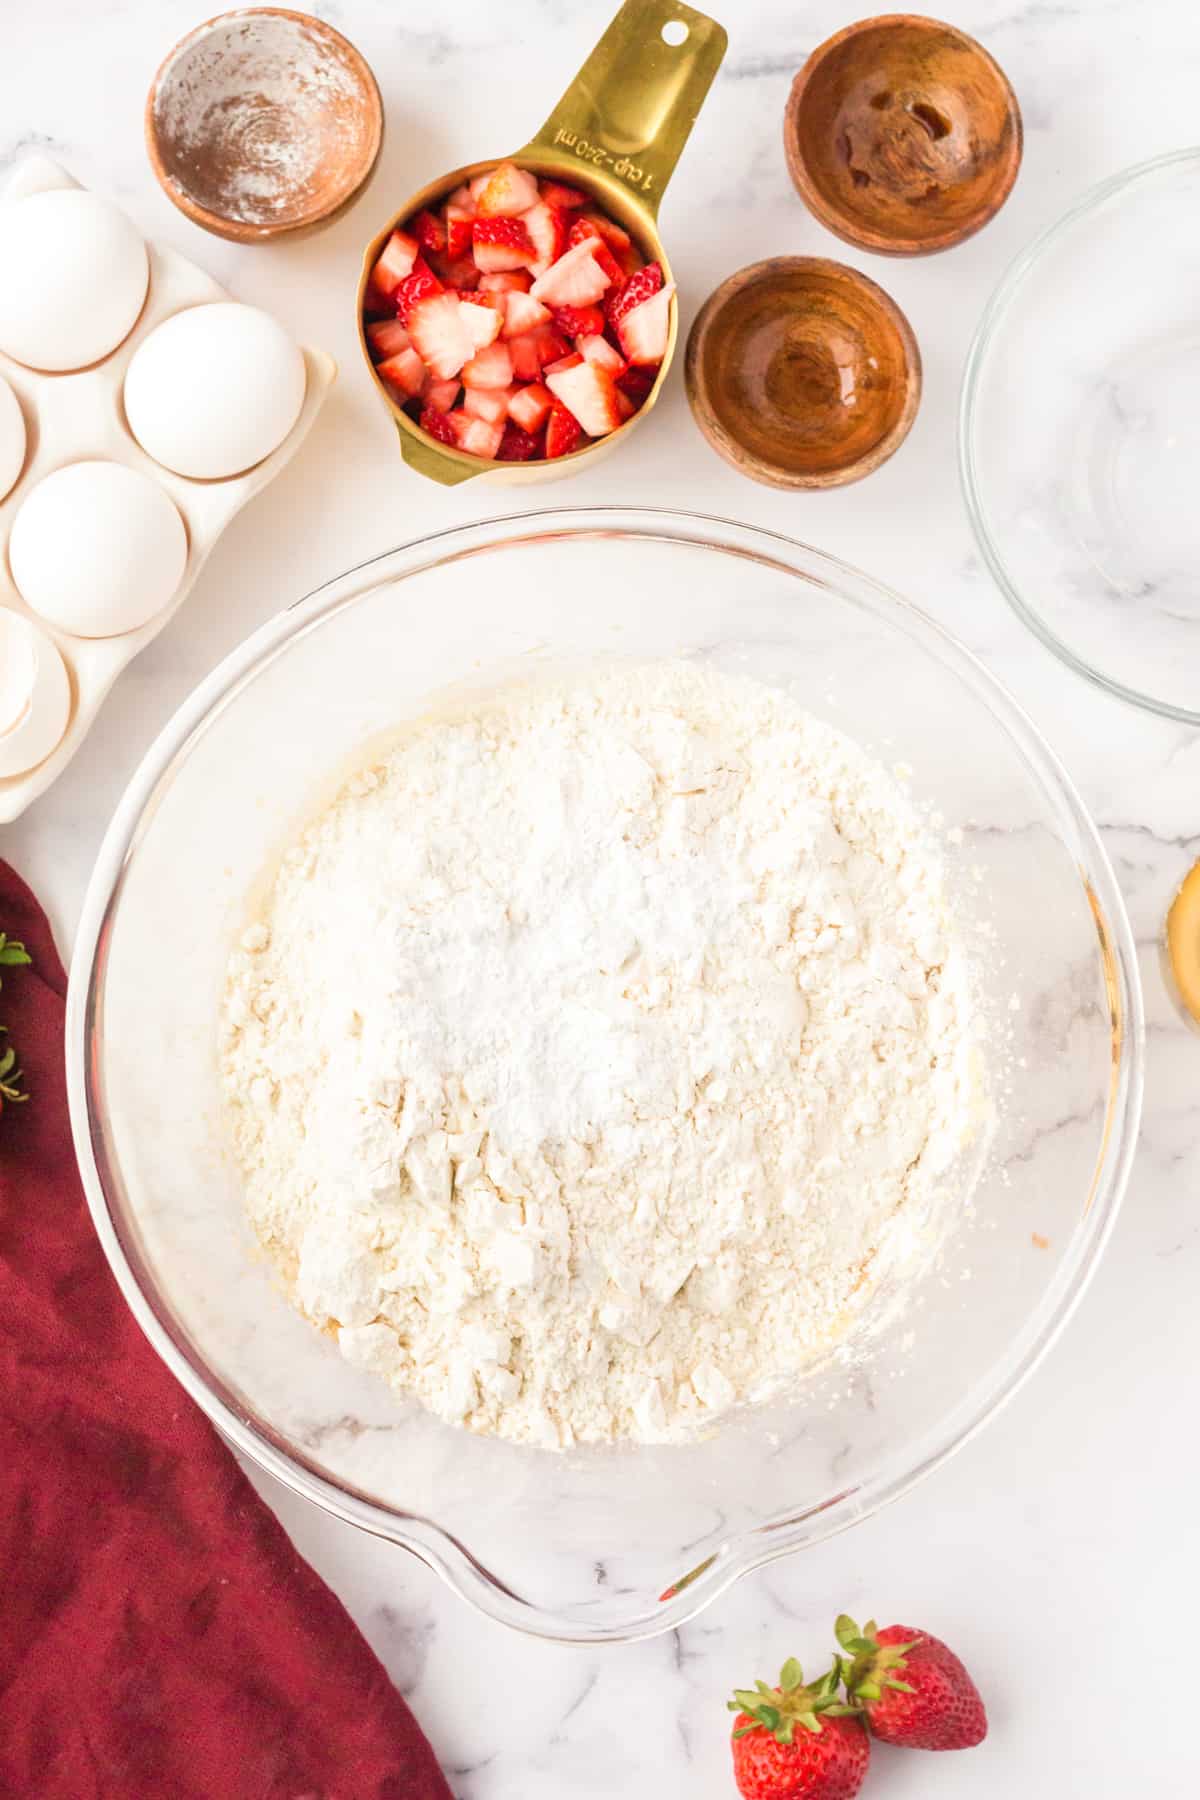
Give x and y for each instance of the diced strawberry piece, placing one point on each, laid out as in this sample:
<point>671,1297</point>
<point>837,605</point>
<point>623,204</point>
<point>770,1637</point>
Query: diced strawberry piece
<point>476,186</point>
<point>438,425</point>
<point>463,198</point>
<point>509,192</point>
<point>490,368</point>
<point>517,445</point>
<point>625,406</point>
<point>395,263</point>
<point>459,273</point>
<point>589,394</point>
<point>595,224</point>
<point>387,337</point>
<point>441,395</point>
<point>507,281</point>
<point>610,265</point>
<point>562,432</point>
<point>579,321</point>
<point>429,231</point>
<point>639,287</point>
<point>598,350</point>
<point>528,406</point>
<point>637,382</point>
<point>487,403</point>
<point>533,349</point>
<point>564,362</point>
<point>440,334</point>
<point>547,227</point>
<point>479,437</point>
<point>644,328</point>
<point>566,199</point>
<point>576,279</point>
<point>405,372</point>
<point>459,229</point>
<point>482,296</point>
<point>499,244</point>
<point>522,313</point>
<point>413,289</point>
<point>482,321</point>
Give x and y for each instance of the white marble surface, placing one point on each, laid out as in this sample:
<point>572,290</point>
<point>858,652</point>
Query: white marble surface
<point>1060,1548</point>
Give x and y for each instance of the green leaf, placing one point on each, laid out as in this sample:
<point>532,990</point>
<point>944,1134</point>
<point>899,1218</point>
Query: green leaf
<point>810,1722</point>
<point>744,1730</point>
<point>12,955</point>
<point>846,1631</point>
<point>791,1675</point>
<point>901,1687</point>
<point>6,1062</point>
<point>871,1631</point>
<point>868,1690</point>
<point>861,1646</point>
<point>748,1701</point>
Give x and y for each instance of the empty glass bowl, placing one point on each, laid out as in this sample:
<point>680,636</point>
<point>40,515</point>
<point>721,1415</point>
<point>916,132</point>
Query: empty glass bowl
<point>1080,436</point>
<point>607,1543</point>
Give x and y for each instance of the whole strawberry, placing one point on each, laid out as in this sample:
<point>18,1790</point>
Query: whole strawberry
<point>910,1687</point>
<point>794,1742</point>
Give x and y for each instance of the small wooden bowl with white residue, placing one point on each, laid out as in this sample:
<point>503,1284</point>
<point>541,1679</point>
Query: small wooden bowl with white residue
<point>263,122</point>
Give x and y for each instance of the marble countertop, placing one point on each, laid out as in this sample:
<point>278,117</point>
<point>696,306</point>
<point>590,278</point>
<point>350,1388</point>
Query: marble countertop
<point>1068,1530</point>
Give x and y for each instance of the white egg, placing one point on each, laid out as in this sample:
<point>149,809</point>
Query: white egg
<point>97,549</point>
<point>12,438</point>
<point>214,389</point>
<point>35,695</point>
<point>73,276</point>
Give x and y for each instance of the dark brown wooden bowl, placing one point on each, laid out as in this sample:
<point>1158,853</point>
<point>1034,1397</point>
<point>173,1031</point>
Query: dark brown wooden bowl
<point>902,135</point>
<point>263,122</point>
<point>802,373</point>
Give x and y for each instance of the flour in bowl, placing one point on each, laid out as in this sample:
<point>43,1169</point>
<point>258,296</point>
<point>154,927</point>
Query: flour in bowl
<point>598,1050</point>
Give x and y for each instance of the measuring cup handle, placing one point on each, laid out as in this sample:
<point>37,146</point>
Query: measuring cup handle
<point>631,108</point>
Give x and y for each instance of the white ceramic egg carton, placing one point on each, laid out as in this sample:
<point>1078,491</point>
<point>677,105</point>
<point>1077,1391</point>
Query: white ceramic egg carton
<point>75,416</point>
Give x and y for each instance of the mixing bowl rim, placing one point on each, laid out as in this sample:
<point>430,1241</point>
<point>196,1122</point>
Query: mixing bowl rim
<point>896,1473</point>
<point>988,330</point>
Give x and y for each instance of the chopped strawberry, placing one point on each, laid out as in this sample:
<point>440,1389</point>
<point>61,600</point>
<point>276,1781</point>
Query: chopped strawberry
<point>414,288</point>
<point>461,273</point>
<point>476,186</point>
<point>534,349</point>
<point>482,321</point>
<point>440,334</point>
<point>487,403</point>
<point>566,199</point>
<point>548,229</point>
<point>564,362</point>
<point>490,368</point>
<point>441,395</point>
<point>643,330</point>
<point>579,321</point>
<point>484,297</point>
<point>387,337</point>
<point>510,191</point>
<point>507,281</point>
<point>405,372</point>
<point>625,406</point>
<point>479,437</point>
<point>562,432</point>
<point>438,425</point>
<point>576,279</point>
<point>459,228</point>
<point>637,382</point>
<point>594,224</point>
<point>528,406</point>
<point>610,265</point>
<point>395,262</point>
<point>588,393</point>
<point>499,244</point>
<point>639,287</point>
<point>598,350</point>
<point>429,231</point>
<point>522,313</point>
<point>517,445</point>
<point>464,199</point>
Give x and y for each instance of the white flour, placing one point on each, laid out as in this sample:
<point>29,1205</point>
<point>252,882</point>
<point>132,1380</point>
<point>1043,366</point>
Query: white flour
<point>599,1050</point>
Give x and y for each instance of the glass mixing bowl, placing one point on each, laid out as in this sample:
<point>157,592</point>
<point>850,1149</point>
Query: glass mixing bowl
<point>621,1542</point>
<point>1079,436</point>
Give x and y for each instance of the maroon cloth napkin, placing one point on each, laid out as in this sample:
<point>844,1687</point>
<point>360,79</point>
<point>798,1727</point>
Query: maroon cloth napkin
<point>160,1639</point>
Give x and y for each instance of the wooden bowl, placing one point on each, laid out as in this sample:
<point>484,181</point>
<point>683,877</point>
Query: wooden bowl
<point>902,135</point>
<point>802,373</point>
<point>263,122</point>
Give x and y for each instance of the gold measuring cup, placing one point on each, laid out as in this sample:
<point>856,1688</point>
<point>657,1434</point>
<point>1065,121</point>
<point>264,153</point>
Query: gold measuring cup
<point>617,132</point>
